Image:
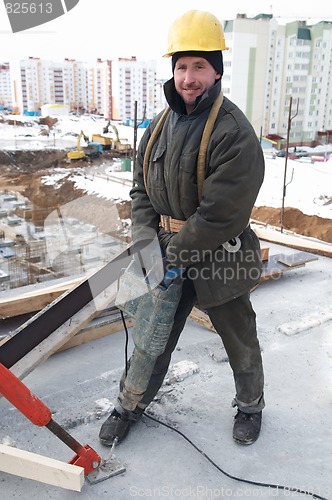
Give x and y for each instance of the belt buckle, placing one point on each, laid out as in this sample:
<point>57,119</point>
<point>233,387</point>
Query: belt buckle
<point>169,224</point>
<point>166,220</point>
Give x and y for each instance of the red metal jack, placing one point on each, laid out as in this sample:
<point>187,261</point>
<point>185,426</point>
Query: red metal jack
<point>39,414</point>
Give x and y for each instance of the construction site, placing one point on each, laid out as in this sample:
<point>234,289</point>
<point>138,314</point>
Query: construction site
<point>62,247</point>
<point>33,215</point>
<point>31,211</point>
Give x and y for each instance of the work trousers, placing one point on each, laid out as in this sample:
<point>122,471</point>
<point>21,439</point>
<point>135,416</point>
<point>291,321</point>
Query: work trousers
<point>235,323</point>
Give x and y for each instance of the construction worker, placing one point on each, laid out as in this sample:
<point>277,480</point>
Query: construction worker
<point>203,222</point>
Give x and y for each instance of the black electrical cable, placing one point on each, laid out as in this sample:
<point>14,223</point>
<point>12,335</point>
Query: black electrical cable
<point>247,481</point>
<point>127,340</point>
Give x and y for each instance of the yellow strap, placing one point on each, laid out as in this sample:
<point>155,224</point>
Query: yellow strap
<point>151,142</point>
<point>205,142</point>
<point>202,149</point>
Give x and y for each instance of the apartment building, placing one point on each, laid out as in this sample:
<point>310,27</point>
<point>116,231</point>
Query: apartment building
<point>134,81</point>
<point>267,67</point>
<point>83,87</point>
<point>5,86</point>
<point>108,88</point>
<point>270,65</point>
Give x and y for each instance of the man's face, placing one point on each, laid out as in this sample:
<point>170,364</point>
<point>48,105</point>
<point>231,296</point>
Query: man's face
<point>192,77</point>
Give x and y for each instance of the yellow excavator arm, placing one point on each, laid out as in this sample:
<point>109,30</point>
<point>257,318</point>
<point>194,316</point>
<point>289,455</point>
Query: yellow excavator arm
<point>78,153</point>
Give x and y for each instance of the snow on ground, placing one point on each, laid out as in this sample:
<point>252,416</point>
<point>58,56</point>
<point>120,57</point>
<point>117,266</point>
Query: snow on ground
<point>63,134</point>
<point>113,187</point>
<point>308,185</point>
<point>308,189</point>
<point>294,448</point>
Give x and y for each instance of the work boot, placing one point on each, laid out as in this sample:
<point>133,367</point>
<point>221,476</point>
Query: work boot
<point>117,425</point>
<point>247,427</point>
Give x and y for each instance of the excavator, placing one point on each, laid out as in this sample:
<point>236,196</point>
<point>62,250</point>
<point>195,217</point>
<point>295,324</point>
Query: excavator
<point>120,146</point>
<point>92,149</point>
<point>105,140</point>
<point>78,153</point>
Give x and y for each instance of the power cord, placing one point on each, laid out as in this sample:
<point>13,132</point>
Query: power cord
<point>242,480</point>
<point>247,481</point>
<point>127,340</point>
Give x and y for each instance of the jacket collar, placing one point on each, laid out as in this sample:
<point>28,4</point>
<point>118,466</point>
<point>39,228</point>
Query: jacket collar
<point>202,103</point>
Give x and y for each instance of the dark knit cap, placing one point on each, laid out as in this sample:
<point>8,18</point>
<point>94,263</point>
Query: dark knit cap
<point>214,57</point>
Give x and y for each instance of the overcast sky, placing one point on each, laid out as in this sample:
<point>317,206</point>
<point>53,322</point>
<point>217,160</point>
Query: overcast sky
<point>109,29</point>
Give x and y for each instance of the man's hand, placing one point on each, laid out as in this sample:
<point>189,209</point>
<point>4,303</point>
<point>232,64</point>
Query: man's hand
<point>164,239</point>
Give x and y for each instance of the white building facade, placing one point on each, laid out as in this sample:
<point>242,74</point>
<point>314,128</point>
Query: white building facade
<point>84,87</point>
<point>134,82</point>
<point>108,88</point>
<point>269,65</point>
<point>5,86</point>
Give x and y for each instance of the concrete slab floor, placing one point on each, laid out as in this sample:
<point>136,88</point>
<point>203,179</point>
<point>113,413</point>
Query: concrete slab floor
<point>294,450</point>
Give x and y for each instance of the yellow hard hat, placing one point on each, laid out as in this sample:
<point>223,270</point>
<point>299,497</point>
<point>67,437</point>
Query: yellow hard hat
<point>195,30</point>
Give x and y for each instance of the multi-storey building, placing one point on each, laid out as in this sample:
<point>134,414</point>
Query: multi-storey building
<point>133,81</point>
<point>37,86</point>
<point>269,65</point>
<point>5,86</point>
<point>104,87</point>
<point>80,85</point>
<point>247,66</point>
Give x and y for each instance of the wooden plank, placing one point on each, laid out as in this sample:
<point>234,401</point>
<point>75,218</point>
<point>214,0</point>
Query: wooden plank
<point>88,334</point>
<point>64,333</point>
<point>265,253</point>
<point>4,339</point>
<point>202,318</point>
<point>106,323</point>
<point>69,304</point>
<point>39,468</point>
<point>274,269</point>
<point>293,240</point>
<point>33,298</point>
<point>295,259</point>
<point>27,304</point>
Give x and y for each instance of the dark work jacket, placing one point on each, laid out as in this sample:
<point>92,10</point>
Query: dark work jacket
<point>234,172</point>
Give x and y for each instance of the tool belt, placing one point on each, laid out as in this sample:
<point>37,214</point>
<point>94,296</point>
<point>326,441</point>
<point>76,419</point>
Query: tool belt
<point>171,225</point>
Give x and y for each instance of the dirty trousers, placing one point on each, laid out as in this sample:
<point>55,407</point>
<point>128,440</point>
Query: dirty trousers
<point>235,322</point>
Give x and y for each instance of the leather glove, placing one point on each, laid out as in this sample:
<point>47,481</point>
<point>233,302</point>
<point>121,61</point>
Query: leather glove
<point>164,239</point>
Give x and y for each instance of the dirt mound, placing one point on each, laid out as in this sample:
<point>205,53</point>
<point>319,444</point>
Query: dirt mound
<point>49,121</point>
<point>296,221</point>
<point>22,171</point>
<point>25,161</point>
<point>43,195</point>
